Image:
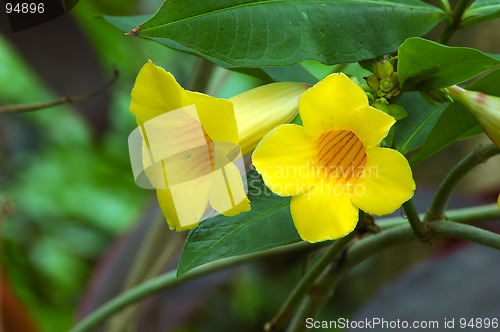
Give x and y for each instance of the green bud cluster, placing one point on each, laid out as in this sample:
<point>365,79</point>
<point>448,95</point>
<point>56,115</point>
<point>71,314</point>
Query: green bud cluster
<point>384,81</point>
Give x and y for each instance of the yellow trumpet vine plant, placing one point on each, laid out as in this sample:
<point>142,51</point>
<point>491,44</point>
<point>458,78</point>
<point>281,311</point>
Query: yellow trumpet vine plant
<point>197,144</point>
<point>333,165</point>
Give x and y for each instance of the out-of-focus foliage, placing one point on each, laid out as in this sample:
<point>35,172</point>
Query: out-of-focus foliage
<point>73,194</point>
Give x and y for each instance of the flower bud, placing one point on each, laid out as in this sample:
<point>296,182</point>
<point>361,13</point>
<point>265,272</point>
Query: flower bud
<point>484,107</point>
<point>384,81</point>
<point>259,110</point>
<point>396,111</point>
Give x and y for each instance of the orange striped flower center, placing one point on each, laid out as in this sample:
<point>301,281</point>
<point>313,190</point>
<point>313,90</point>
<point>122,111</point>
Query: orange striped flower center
<point>210,149</point>
<point>341,156</point>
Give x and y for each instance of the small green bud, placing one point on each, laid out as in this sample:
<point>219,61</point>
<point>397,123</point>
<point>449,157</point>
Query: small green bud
<point>384,69</point>
<point>381,107</point>
<point>396,111</point>
<point>381,104</point>
<point>382,101</point>
<point>385,85</point>
<point>371,99</point>
<point>384,81</point>
<point>372,82</point>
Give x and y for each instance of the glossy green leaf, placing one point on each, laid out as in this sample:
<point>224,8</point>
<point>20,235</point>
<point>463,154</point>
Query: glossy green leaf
<point>411,132</point>
<point>257,33</point>
<point>479,11</point>
<point>267,225</point>
<point>427,65</point>
<point>455,122</point>
<point>294,73</point>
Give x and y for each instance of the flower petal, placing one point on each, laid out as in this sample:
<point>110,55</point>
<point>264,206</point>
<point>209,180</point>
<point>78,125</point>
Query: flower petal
<point>168,208</point>
<point>321,215</point>
<point>284,158</point>
<point>172,133</point>
<point>155,92</point>
<point>328,105</point>
<point>370,125</point>
<point>227,194</point>
<point>261,109</point>
<point>216,116</point>
<point>183,204</point>
<point>182,191</point>
<point>386,184</point>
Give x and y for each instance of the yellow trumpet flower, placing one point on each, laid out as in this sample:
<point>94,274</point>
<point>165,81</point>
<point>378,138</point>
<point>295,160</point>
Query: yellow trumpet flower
<point>188,143</point>
<point>333,165</point>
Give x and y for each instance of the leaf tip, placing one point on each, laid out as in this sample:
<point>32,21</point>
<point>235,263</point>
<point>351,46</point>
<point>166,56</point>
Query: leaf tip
<point>133,32</point>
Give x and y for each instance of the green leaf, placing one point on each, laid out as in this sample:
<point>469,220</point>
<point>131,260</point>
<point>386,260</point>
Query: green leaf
<point>256,33</point>
<point>294,73</point>
<point>480,11</point>
<point>455,122</point>
<point>267,225</point>
<point>411,132</point>
<point>427,65</point>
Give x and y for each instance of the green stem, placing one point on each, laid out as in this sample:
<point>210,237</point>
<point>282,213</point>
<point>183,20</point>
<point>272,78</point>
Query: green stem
<point>153,244</point>
<point>463,215</point>
<point>475,214</point>
<point>157,249</point>
<point>447,187</point>
<point>202,72</point>
<point>59,101</point>
<point>168,280</point>
<point>324,287</point>
<point>445,6</point>
<point>286,311</point>
<point>450,229</point>
<point>326,284</point>
<point>340,67</point>
<point>360,250</point>
<point>414,219</point>
<point>451,26</point>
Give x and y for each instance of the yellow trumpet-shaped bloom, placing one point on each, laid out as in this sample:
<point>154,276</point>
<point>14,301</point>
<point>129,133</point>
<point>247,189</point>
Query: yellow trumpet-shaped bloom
<point>187,142</point>
<point>261,109</point>
<point>485,108</point>
<point>333,165</point>
<point>188,138</point>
